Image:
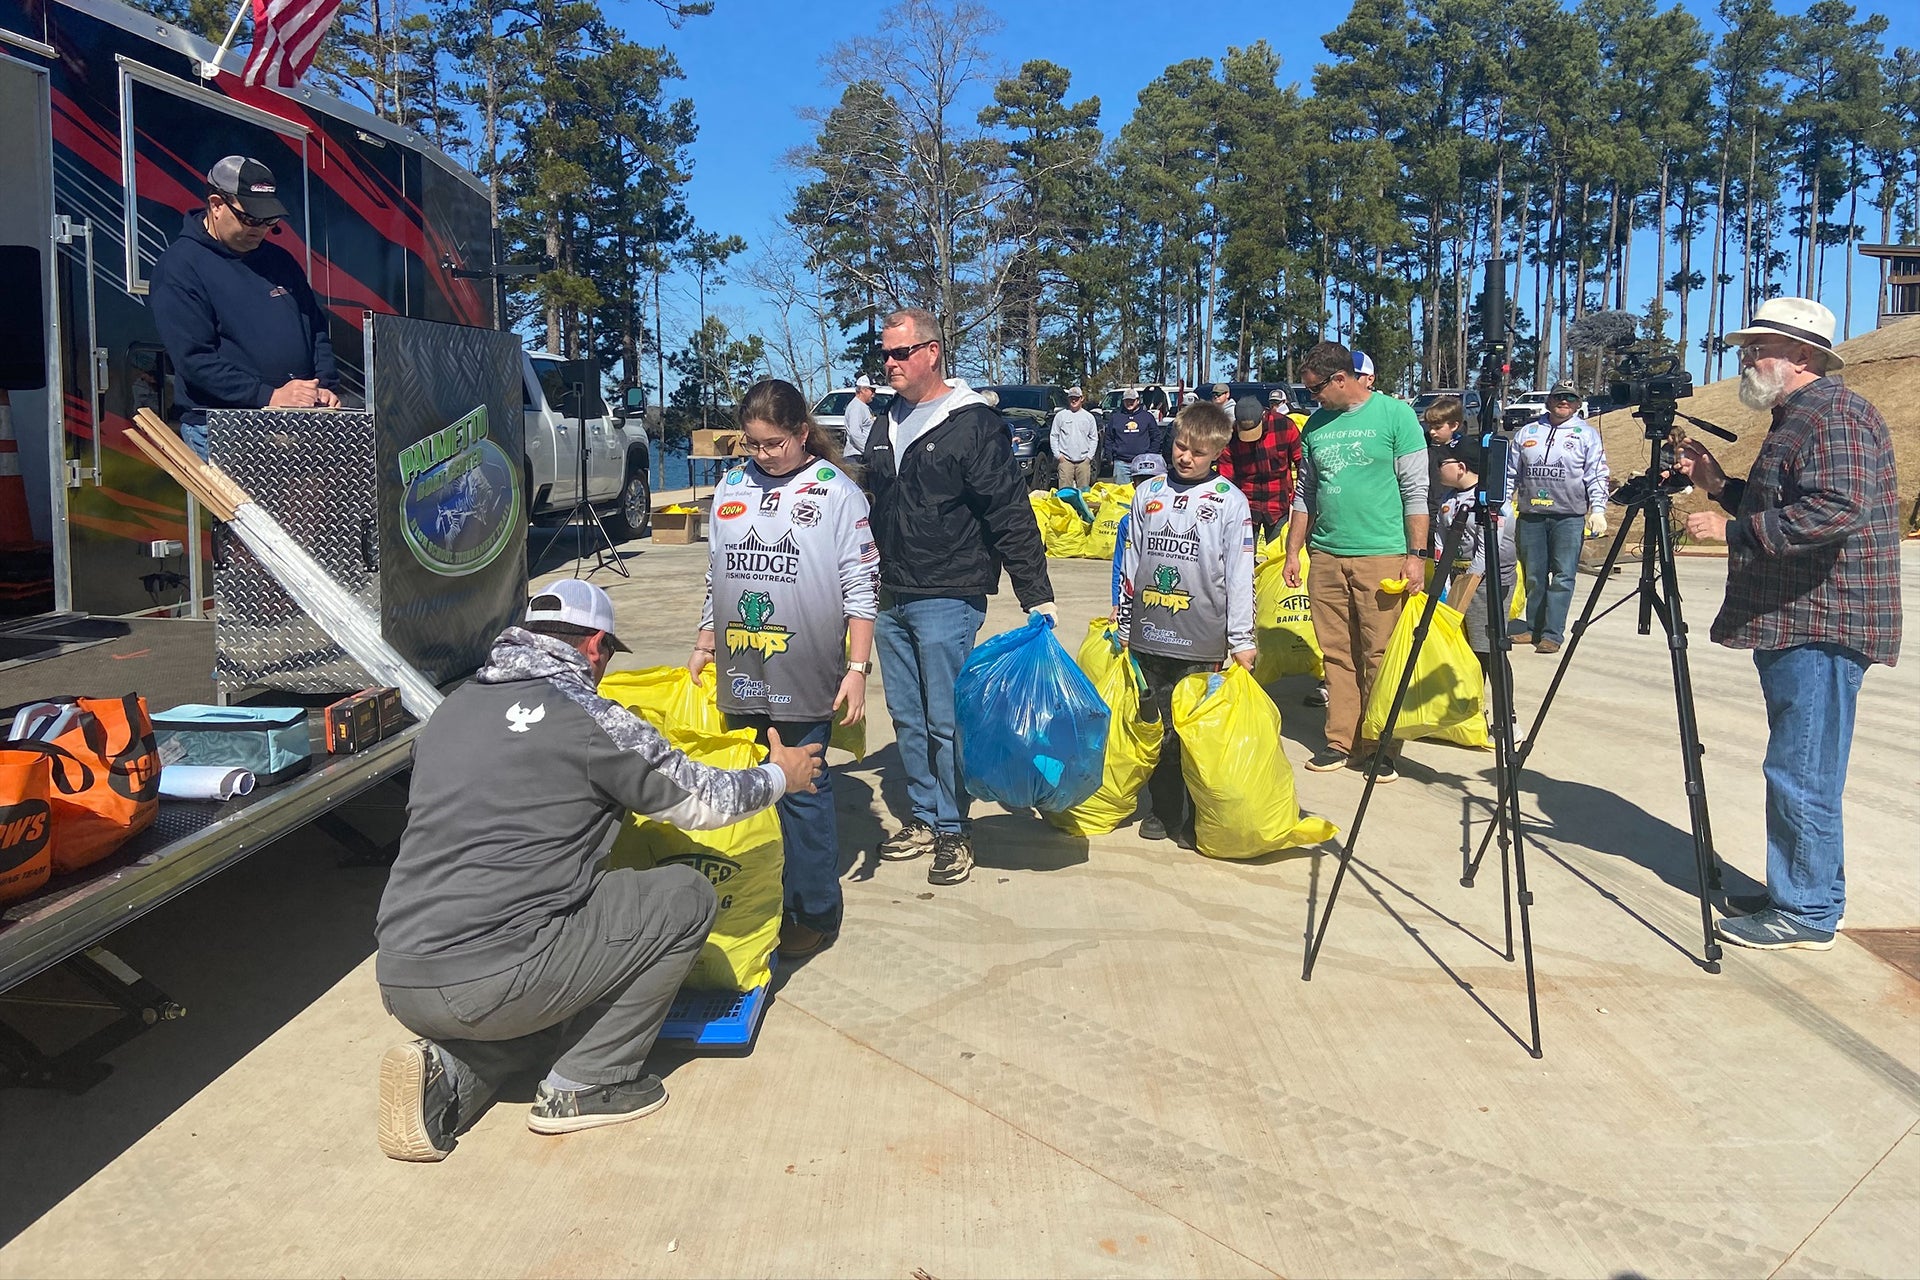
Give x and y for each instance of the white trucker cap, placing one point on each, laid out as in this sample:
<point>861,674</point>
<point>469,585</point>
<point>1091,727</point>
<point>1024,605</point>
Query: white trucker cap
<point>580,603</point>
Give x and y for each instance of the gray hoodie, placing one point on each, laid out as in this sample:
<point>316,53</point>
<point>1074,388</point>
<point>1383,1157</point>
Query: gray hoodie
<point>519,779</point>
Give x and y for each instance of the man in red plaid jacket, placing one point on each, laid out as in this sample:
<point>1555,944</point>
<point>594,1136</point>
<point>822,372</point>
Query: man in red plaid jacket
<point>1261,460</point>
<point>1813,588</point>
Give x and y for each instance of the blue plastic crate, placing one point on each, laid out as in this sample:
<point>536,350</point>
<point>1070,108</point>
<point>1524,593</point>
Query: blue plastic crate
<point>716,1017</point>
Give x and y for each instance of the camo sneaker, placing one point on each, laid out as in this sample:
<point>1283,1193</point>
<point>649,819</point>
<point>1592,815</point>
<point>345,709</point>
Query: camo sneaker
<point>908,843</point>
<point>570,1110</point>
<point>1770,930</point>
<point>419,1107</point>
<point>952,859</point>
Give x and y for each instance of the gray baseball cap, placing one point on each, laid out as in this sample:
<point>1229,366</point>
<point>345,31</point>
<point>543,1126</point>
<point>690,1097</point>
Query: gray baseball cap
<point>249,184</point>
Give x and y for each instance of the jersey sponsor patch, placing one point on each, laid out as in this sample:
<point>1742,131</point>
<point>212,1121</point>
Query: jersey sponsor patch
<point>730,510</point>
<point>1208,512</point>
<point>1165,591</point>
<point>755,630</point>
<point>752,558</point>
<point>1155,505</point>
<point>805,514</point>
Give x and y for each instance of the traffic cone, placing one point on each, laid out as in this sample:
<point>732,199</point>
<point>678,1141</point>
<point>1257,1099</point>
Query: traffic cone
<point>16,528</point>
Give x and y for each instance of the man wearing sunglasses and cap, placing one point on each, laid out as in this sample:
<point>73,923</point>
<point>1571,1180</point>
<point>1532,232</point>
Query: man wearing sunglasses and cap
<point>504,942</point>
<point>240,323</point>
<point>1813,588</point>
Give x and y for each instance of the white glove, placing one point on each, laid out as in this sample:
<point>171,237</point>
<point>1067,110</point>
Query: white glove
<point>1596,524</point>
<point>1046,611</point>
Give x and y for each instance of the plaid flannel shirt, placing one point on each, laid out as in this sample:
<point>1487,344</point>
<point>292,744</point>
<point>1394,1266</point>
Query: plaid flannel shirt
<point>1263,469</point>
<point>1813,550</point>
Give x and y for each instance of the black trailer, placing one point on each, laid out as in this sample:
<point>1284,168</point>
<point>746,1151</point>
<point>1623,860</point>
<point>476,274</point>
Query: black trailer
<point>111,124</point>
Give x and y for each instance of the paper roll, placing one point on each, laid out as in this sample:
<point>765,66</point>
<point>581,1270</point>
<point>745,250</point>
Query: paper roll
<point>204,782</point>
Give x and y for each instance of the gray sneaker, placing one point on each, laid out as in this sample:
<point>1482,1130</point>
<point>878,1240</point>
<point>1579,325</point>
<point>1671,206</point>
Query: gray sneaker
<point>952,859</point>
<point>569,1110</point>
<point>419,1108</point>
<point>1769,930</point>
<point>1317,697</point>
<point>908,843</point>
<point>1752,904</point>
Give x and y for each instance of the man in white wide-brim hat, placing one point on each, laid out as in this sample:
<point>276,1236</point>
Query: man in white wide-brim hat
<point>1813,588</point>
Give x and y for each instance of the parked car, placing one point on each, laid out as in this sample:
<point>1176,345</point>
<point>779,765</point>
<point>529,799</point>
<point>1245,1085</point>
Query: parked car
<point>1469,400</point>
<point>615,461</point>
<point>830,411</point>
<point>1029,411</point>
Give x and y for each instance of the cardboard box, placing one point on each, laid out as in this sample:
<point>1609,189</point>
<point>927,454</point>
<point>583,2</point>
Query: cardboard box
<point>353,723</point>
<point>716,443</point>
<point>678,528</point>
<point>393,714</point>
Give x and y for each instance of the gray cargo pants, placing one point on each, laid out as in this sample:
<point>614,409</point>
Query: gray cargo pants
<point>589,1006</point>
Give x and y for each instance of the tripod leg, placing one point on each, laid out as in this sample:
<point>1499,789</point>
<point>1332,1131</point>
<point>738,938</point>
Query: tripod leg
<point>1574,634</point>
<point>1706,863</point>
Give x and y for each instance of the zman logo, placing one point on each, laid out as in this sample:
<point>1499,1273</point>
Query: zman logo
<point>1165,593</point>
<point>753,631</point>
<point>716,869</point>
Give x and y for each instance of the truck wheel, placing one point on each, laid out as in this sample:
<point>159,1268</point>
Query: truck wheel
<point>633,510</point>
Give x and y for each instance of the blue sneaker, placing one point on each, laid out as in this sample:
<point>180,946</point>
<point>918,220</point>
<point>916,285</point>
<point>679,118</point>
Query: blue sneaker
<point>1769,930</point>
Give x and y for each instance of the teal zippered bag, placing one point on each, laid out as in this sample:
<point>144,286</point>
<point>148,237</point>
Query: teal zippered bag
<point>269,742</point>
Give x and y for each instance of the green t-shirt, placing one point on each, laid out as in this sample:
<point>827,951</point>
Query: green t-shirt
<point>1356,491</point>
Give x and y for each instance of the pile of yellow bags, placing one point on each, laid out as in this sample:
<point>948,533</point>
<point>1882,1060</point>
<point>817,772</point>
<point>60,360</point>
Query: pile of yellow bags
<point>1444,698</point>
<point>1133,746</point>
<point>1067,536</point>
<point>1236,770</point>
<point>744,861</point>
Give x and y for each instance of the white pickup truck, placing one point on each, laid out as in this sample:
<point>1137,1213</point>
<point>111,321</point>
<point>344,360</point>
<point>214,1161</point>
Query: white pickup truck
<point>616,456</point>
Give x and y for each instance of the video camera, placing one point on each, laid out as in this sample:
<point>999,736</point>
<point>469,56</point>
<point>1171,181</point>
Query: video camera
<point>1652,384</point>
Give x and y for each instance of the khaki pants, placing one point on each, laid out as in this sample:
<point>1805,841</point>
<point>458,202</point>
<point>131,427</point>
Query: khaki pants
<point>1075,475</point>
<point>1352,618</point>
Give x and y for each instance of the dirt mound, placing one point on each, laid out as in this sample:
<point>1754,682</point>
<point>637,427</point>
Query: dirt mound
<point>1883,366</point>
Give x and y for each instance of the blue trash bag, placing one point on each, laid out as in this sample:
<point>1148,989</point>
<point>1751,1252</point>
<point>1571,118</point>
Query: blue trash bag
<point>1033,729</point>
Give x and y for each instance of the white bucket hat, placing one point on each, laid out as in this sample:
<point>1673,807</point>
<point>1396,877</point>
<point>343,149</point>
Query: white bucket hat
<point>1801,319</point>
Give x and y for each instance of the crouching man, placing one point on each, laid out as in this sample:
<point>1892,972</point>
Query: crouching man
<point>503,942</point>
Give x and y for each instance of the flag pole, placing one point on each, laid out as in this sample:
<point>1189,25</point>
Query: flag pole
<point>211,68</point>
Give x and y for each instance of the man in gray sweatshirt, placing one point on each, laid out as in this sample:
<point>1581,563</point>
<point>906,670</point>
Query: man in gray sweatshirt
<point>503,941</point>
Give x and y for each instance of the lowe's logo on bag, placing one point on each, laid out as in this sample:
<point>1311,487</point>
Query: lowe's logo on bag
<point>24,828</point>
<point>461,504</point>
<point>716,869</point>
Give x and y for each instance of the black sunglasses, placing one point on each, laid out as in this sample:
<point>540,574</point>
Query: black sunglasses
<point>247,219</point>
<point>898,354</point>
<point>1314,388</point>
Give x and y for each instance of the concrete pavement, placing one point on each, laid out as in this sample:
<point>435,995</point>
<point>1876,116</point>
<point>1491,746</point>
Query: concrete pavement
<point>1097,1057</point>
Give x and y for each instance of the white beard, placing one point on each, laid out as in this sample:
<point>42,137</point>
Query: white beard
<point>1761,390</point>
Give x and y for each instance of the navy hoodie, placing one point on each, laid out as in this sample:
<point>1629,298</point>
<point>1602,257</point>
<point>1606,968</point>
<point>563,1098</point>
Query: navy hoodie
<point>236,326</point>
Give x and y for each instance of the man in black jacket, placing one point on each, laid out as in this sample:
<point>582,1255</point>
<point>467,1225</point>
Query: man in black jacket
<point>949,510</point>
<point>240,323</point>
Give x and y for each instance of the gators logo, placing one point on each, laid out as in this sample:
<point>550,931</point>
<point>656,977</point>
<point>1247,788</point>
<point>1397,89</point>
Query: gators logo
<point>754,631</point>
<point>1165,593</point>
<point>728,510</point>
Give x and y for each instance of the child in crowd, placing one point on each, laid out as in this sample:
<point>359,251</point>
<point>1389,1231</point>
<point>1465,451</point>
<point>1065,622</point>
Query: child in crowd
<point>1186,592</point>
<point>1144,468</point>
<point>1464,578</point>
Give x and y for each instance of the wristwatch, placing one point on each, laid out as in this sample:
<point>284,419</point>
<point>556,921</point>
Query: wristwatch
<point>1425,553</point>
<point>862,668</point>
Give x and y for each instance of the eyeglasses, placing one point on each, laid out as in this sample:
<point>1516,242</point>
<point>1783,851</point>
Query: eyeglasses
<point>246,219</point>
<point>774,445</point>
<point>1314,388</point>
<point>899,354</point>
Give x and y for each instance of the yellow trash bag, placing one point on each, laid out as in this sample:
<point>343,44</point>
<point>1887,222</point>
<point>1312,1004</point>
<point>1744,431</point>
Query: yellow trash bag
<point>1062,531</point>
<point>1133,745</point>
<point>1235,769</point>
<point>1519,607</point>
<point>743,861</point>
<point>1444,699</point>
<point>1283,624</point>
<point>668,699</point>
<point>1105,534</point>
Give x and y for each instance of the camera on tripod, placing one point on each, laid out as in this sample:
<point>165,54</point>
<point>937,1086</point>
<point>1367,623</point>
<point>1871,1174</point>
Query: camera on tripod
<point>1650,384</point>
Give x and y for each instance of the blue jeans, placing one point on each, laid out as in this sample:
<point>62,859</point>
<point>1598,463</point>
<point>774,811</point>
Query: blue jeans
<point>1810,690</point>
<point>923,642</point>
<point>1550,552</point>
<point>809,831</point>
<point>193,430</point>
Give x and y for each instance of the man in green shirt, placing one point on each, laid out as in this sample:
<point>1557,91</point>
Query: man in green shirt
<point>1362,496</point>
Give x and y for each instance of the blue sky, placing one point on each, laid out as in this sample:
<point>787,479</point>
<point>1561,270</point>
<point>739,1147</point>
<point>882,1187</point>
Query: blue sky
<point>754,64</point>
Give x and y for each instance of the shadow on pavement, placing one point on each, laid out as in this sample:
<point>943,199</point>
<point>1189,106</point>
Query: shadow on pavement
<point>245,953</point>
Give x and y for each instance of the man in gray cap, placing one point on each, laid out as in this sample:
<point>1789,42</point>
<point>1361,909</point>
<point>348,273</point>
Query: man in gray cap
<point>859,419</point>
<point>239,321</point>
<point>504,942</point>
<point>1813,588</point>
<point>1222,395</point>
<point>1076,436</point>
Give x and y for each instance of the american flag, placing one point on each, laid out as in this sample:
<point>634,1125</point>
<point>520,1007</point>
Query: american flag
<point>286,35</point>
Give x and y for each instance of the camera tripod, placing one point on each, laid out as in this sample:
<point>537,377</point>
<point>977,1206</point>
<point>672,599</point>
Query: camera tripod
<point>1658,593</point>
<point>579,375</point>
<point>1506,757</point>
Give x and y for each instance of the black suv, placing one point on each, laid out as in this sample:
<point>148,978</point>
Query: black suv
<point>1029,411</point>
